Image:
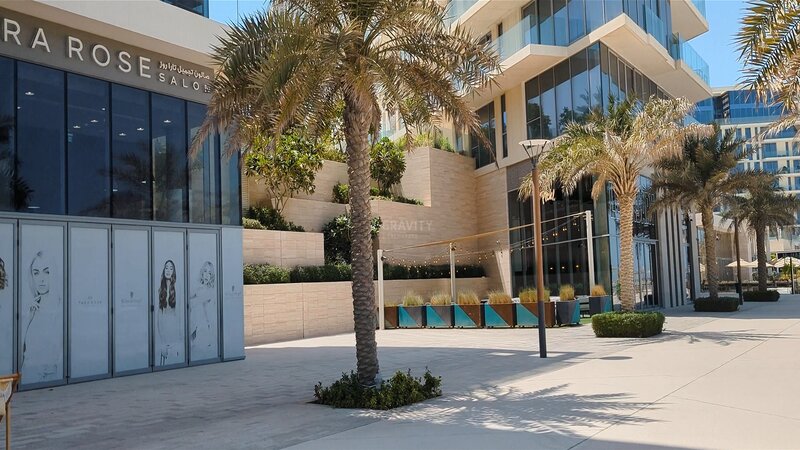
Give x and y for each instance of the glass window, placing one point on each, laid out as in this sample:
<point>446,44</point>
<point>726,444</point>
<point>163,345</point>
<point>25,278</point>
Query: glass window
<point>613,72</point>
<point>203,171</point>
<point>613,8</point>
<point>503,124</point>
<point>546,31</point>
<point>560,23</point>
<point>131,193</point>
<point>533,108</point>
<point>548,98</point>
<point>169,158</point>
<point>40,139</point>
<point>770,166</point>
<point>769,151</point>
<point>8,180</point>
<point>230,178</point>
<point>483,155</point>
<point>88,151</point>
<point>594,15</point>
<point>580,86</point>
<point>530,14</point>
<point>577,23</point>
<point>563,95</point>
<point>597,80</point>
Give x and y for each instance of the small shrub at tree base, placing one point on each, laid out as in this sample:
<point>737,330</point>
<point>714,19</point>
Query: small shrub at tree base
<point>341,193</point>
<point>400,390</point>
<point>251,224</point>
<point>720,304</point>
<point>271,219</point>
<point>265,274</point>
<point>761,296</point>
<point>628,324</point>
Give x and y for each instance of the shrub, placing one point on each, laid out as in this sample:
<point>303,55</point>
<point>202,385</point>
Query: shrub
<point>341,193</point>
<point>468,298</point>
<point>338,240</point>
<point>326,273</point>
<point>761,296</point>
<point>412,299</point>
<point>440,299</point>
<point>721,304</point>
<point>387,163</point>
<point>499,298</point>
<point>598,290</point>
<point>271,219</point>
<point>527,295</point>
<point>251,224</point>
<point>265,274</point>
<point>377,194</point>
<point>400,390</point>
<point>628,324</point>
<point>567,292</point>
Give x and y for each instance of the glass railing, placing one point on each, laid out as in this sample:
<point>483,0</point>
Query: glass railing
<point>456,8</point>
<point>684,51</point>
<point>654,26</point>
<point>701,6</point>
<point>514,39</point>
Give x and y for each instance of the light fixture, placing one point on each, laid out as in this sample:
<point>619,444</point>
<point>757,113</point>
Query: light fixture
<point>33,207</point>
<point>29,93</point>
<point>122,135</point>
<point>102,109</point>
<point>167,121</point>
<point>93,121</point>
<point>140,129</point>
<point>77,127</point>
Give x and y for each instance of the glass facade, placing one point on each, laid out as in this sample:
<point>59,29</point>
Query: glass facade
<point>195,6</point>
<point>80,146</point>
<point>483,155</point>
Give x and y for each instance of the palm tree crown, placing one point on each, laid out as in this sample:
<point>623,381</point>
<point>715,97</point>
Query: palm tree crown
<point>614,147</point>
<point>297,62</point>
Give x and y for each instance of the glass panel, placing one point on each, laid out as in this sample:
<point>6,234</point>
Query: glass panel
<point>503,124</point>
<point>531,13</point>
<point>130,151</point>
<point>230,177</point>
<point>169,158</point>
<point>580,86</point>
<point>546,31</point>
<point>598,80</point>
<point>563,95</point>
<point>533,110</point>
<point>89,155</point>
<point>560,22</point>
<point>40,138</point>
<point>577,25</point>
<point>613,72</point>
<point>548,104</point>
<point>594,14</point>
<point>7,170</point>
<point>203,171</point>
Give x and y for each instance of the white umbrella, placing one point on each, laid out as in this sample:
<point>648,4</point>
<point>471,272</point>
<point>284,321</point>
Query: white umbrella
<point>782,262</point>
<point>744,264</point>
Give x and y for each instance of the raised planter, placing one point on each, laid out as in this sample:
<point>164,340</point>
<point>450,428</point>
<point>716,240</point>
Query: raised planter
<point>601,304</point>
<point>390,317</point>
<point>498,315</point>
<point>411,316</point>
<point>721,304</point>
<point>468,316</point>
<point>528,316</point>
<point>568,312</point>
<point>439,316</point>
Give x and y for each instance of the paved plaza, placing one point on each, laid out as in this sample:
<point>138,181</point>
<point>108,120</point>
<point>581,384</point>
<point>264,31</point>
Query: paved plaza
<point>713,380</point>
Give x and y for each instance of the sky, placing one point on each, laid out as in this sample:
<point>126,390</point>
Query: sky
<point>716,46</point>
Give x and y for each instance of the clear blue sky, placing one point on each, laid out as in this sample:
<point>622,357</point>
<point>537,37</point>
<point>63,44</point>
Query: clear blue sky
<point>716,46</point>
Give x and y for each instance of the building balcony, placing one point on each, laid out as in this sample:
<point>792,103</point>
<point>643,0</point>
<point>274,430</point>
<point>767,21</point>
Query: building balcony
<point>478,14</point>
<point>689,17</point>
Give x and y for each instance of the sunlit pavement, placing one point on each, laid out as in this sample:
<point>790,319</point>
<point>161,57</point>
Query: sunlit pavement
<point>713,380</point>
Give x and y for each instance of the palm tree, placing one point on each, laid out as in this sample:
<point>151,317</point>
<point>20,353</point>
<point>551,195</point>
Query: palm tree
<point>295,63</point>
<point>696,181</point>
<point>765,207</point>
<point>768,42</point>
<point>614,147</point>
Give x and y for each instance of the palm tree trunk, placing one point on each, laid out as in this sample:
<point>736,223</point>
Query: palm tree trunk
<point>761,252</point>
<point>712,271</point>
<point>357,113</point>
<point>626,297</point>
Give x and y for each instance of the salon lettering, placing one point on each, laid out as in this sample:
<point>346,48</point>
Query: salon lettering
<point>83,51</point>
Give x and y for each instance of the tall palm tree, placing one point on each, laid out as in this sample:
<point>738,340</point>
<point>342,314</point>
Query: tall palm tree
<point>697,179</point>
<point>765,207</point>
<point>769,44</point>
<point>295,63</point>
<point>614,147</point>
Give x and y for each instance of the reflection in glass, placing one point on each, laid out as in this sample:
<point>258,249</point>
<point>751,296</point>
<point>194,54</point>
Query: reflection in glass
<point>41,137</point>
<point>13,194</point>
<point>169,158</point>
<point>230,176</point>
<point>88,162</point>
<point>130,149</point>
<point>203,171</point>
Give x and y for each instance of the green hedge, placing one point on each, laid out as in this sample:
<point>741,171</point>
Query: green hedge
<point>271,219</point>
<point>761,296</point>
<point>628,324</point>
<point>265,274</point>
<point>328,272</point>
<point>251,224</point>
<point>721,304</point>
<point>400,390</point>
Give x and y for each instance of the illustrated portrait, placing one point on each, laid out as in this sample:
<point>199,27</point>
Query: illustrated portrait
<point>207,276</point>
<point>166,292</point>
<point>202,308</point>
<point>41,353</point>
<point>3,276</point>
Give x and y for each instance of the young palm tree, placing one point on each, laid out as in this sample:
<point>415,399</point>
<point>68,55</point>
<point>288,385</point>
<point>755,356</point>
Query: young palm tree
<point>614,147</point>
<point>295,63</point>
<point>766,207</point>
<point>697,179</point>
<point>769,44</point>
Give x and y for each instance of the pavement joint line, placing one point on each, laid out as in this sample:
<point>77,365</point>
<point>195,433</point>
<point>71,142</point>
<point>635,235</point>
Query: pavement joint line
<point>796,419</point>
<point>332,435</point>
<point>658,400</point>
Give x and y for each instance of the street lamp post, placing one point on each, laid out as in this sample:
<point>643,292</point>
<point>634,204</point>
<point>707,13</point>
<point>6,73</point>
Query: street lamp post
<point>535,148</point>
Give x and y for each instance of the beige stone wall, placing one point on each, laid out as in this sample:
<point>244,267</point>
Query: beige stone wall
<point>492,204</point>
<point>332,172</point>
<point>283,248</point>
<point>311,214</point>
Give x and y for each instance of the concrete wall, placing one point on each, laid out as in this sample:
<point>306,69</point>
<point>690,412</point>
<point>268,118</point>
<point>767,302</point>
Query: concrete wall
<point>332,172</point>
<point>282,312</point>
<point>283,248</point>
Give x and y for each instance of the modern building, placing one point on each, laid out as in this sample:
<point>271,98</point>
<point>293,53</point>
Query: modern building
<point>119,252</point>
<point>740,110</point>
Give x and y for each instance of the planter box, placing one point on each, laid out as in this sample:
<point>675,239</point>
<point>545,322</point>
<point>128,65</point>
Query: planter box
<point>411,316</point>
<point>527,315</point>
<point>390,317</point>
<point>439,316</point>
<point>468,316</point>
<point>568,312</point>
<point>498,316</point>
<point>600,304</point>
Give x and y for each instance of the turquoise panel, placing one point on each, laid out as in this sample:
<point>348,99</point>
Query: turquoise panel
<point>462,319</point>
<point>607,305</point>
<point>576,315</point>
<point>435,320</point>
<point>491,318</point>
<point>405,319</point>
<point>526,318</point>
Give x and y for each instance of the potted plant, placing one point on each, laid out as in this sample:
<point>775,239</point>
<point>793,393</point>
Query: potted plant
<point>439,314</point>
<point>467,311</point>
<point>599,300</point>
<point>390,315</point>
<point>567,309</point>
<point>411,314</point>
<point>499,310</point>
<point>528,312</point>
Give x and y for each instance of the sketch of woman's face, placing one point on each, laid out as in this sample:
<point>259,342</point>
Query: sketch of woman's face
<point>40,274</point>
<point>169,269</point>
<point>3,278</point>
<point>207,274</point>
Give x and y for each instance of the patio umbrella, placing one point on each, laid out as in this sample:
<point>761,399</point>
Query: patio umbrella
<point>743,263</point>
<point>782,262</point>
